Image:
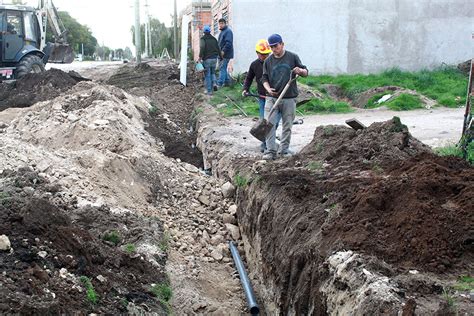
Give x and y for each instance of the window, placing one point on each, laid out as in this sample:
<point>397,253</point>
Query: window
<point>14,23</point>
<point>216,25</point>
<point>29,26</point>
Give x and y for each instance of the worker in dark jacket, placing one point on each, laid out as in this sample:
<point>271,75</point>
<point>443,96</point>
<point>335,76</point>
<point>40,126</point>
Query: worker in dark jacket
<point>208,53</point>
<point>226,45</point>
<point>255,72</point>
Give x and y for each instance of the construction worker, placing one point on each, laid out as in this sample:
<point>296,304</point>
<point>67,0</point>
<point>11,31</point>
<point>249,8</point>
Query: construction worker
<point>255,72</point>
<point>208,53</point>
<point>278,69</point>
<point>226,45</point>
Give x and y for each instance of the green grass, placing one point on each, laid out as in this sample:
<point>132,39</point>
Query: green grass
<point>152,109</point>
<point>446,85</point>
<point>112,236</point>
<point>372,102</point>
<point>401,102</point>
<point>240,181</point>
<point>451,150</point>
<point>449,297</point>
<point>404,102</point>
<point>315,165</point>
<point>165,242</point>
<point>325,106</point>
<point>248,104</point>
<point>251,108</point>
<point>464,284</point>
<point>91,294</point>
<point>164,293</point>
<point>130,248</point>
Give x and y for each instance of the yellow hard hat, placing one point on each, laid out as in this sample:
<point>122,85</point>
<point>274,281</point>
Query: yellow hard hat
<point>262,47</point>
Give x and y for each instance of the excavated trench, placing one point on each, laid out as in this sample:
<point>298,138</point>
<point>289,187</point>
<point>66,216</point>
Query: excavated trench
<point>358,222</point>
<point>366,222</point>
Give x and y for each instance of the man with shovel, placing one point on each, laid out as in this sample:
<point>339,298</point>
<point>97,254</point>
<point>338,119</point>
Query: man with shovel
<point>255,72</point>
<point>278,70</point>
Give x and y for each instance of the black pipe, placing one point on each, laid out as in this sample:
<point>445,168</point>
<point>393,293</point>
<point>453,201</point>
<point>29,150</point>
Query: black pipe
<point>244,279</point>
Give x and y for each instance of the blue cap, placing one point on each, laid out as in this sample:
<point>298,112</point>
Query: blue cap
<point>206,29</point>
<point>274,39</point>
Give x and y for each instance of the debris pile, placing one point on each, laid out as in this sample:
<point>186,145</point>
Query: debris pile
<point>60,250</point>
<point>104,189</point>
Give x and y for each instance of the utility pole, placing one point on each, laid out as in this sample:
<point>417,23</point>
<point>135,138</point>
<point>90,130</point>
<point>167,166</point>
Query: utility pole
<point>175,32</point>
<point>138,45</point>
<point>146,28</point>
<point>150,44</point>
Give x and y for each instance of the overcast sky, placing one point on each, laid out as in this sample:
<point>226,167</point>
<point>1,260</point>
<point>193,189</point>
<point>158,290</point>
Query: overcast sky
<point>110,20</point>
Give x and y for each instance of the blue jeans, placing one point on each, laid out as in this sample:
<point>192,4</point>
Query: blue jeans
<point>223,76</point>
<point>209,72</point>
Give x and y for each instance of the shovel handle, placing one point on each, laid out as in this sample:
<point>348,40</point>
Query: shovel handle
<point>287,86</point>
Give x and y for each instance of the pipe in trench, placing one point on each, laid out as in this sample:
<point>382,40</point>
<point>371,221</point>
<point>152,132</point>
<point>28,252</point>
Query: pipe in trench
<point>244,279</point>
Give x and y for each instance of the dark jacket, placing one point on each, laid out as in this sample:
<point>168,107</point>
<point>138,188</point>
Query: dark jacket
<point>255,71</point>
<point>208,47</point>
<point>226,42</point>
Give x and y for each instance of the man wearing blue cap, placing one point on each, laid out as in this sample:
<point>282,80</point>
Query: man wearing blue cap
<point>278,69</point>
<point>208,53</point>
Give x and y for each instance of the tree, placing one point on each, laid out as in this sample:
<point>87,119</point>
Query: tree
<point>77,35</point>
<point>161,37</point>
<point>18,2</point>
<point>127,53</point>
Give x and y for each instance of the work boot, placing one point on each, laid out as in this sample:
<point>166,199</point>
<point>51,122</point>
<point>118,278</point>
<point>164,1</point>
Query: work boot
<point>269,156</point>
<point>286,154</point>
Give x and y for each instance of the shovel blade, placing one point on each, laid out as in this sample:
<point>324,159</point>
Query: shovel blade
<point>261,129</point>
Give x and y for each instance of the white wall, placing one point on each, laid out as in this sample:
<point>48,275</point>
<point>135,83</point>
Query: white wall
<point>339,36</point>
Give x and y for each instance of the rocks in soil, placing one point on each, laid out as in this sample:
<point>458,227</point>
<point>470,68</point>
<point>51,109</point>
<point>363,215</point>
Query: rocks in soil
<point>5,244</point>
<point>228,190</point>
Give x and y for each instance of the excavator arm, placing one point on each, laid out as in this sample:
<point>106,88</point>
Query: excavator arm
<point>59,51</point>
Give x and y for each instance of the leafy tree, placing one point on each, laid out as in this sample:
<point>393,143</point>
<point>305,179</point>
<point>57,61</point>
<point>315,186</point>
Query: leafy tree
<point>127,53</point>
<point>78,34</point>
<point>161,37</point>
<point>19,2</point>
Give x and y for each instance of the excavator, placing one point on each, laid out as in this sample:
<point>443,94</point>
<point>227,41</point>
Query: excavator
<point>23,46</point>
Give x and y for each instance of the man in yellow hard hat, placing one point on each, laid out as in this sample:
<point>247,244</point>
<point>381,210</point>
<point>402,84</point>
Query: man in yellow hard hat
<point>255,72</point>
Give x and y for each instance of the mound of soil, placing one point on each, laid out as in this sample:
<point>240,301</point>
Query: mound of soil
<point>56,245</point>
<point>173,125</point>
<point>378,191</point>
<point>36,87</point>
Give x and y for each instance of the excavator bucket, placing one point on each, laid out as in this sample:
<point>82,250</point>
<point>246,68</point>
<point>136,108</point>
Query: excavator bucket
<point>60,53</point>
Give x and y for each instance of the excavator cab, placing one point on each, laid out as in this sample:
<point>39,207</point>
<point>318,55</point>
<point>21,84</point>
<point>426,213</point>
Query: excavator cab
<point>22,42</point>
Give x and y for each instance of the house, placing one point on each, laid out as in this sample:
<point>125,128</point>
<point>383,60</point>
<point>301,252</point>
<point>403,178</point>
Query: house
<point>199,13</point>
<point>348,36</point>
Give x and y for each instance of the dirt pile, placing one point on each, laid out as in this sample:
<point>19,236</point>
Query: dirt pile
<point>378,192</point>
<point>101,170</point>
<point>171,113</point>
<point>34,88</point>
<point>57,245</point>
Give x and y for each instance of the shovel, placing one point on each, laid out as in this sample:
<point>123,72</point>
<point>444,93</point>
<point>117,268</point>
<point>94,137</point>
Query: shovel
<point>261,128</point>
